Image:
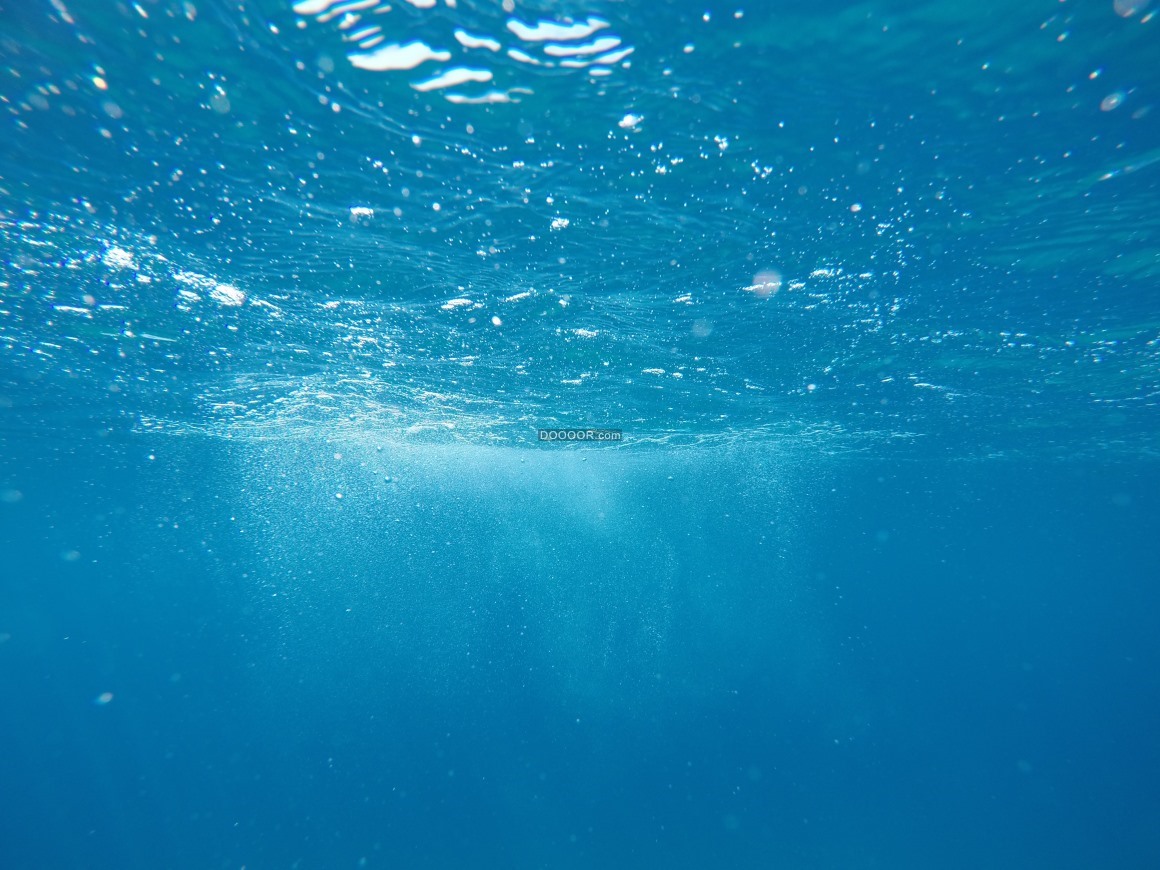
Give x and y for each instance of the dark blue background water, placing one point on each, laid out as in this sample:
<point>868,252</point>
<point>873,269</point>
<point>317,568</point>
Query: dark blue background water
<point>535,661</point>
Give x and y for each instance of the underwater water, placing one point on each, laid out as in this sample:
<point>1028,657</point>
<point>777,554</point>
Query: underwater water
<point>289,578</point>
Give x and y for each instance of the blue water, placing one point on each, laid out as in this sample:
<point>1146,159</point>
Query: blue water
<point>288,580</point>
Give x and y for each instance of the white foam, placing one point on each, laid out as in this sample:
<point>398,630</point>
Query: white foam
<point>346,9</point>
<point>543,31</point>
<point>614,57</point>
<point>599,46</point>
<point>523,57</point>
<point>489,97</point>
<point>119,258</point>
<point>457,76</point>
<point>364,33</point>
<point>396,56</point>
<point>468,41</point>
<point>313,7</point>
<point>227,295</point>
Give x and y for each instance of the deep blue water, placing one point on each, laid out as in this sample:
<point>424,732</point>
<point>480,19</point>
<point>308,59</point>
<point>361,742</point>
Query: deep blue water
<point>635,660</point>
<point>287,579</point>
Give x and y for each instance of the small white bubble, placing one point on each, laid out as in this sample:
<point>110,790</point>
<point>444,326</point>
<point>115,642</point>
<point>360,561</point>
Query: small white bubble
<point>1112,101</point>
<point>765,283</point>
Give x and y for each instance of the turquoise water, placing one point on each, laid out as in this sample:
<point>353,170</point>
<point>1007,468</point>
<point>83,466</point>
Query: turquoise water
<point>287,578</point>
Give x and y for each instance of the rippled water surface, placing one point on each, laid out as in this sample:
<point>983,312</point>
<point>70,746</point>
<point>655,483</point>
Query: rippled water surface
<point>933,223</point>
